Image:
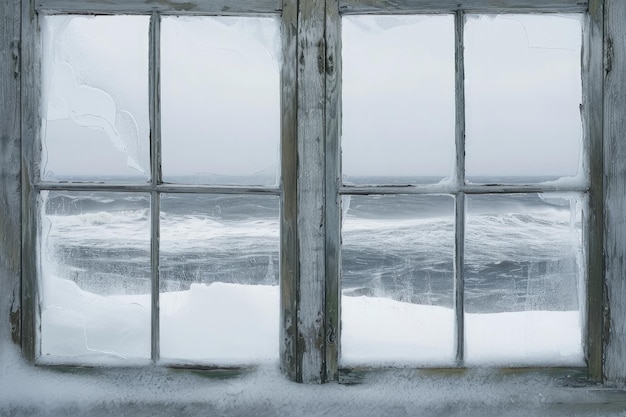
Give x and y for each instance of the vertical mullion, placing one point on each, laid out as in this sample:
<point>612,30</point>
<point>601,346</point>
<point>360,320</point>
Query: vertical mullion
<point>289,265</point>
<point>592,108</point>
<point>333,199</point>
<point>155,173</point>
<point>27,72</point>
<point>311,165</point>
<point>459,241</point>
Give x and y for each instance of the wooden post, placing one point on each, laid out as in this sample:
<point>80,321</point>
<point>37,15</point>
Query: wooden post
<point>615,190</point>
<point>310,200</point>
<point>30,162</point>
<point>593,76</point>
<point>289,265</point>
<point>311,134</point>
<point>10,194</point>
<point>333,183</point>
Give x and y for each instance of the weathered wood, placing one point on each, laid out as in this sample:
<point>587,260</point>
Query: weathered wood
<point>10,196</point>
<point>459,278</point>
<point>448,188</point>
<point>220,7</point>
<point>592,78</point>
<point>311,131</point>
<point>459,201</point>
<point>470,6</point>
<point>155,174</point>
<point>289,267</point>
<point>560,376</point>
<point>615,189</point>
<point>30,160</point>
<point>333,181</point>
<point>162,188</point>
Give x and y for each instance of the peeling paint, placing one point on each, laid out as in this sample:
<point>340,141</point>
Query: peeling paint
<point>15,48</point>
<point>15,326</point>
<point>608,56</point>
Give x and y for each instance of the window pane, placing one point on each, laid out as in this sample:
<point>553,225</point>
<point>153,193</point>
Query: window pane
<point>523,285</point>
<point>95,269</point>
<point>397,280</point>
<point>523,91</point>
<point>398,98</point>
<point>220,100</point>
<point>95,98</point>
<point>219,278</point>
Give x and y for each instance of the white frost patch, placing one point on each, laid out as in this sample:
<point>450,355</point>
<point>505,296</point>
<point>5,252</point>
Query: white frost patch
<point>384,331</point>
<point>77,323</point>
<point>227,323</point>
<point>231,324</point>
<point>387,332</point>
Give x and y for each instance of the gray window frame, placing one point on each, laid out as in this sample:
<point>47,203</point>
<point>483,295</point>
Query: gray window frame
<point>310,158</point>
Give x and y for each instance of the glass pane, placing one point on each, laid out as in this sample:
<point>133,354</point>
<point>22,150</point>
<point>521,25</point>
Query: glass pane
<point>398,98</point>
<point>523,91</point>
<point>220,100</point>
<point>397,280</point>
<point>219,278</point>
<point>523,285</point>
<point>95,269</point>
<point>95,98</point>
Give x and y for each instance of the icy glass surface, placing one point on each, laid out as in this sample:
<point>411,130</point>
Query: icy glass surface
<point>523,91</point>
<point>95,275</point>
<point>397,280</point>
<point>95,123</point>
<point>219,278</point>
<point>220,100</point>
<point>397,98</point>
<point>523,280</point>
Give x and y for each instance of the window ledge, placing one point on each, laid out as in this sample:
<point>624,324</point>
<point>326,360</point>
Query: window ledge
<point>155,391</point>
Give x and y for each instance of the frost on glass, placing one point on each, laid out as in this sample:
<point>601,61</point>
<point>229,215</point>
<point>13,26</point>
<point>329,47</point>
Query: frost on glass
<point>397,280</point>
<point>523,92</point>
<point>220,100</point>
<point>219,278</point>
<point>398,109</point>
<point>95,275</point>
<point>523,280</point>
<point>94,108</point>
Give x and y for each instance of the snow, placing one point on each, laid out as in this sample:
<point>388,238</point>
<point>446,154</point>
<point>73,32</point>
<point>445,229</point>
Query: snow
<point>150,391</point>
<point>264,390</point>
<point>230,324</point>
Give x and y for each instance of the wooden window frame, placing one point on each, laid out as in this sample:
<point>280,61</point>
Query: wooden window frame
<point>310,159</point>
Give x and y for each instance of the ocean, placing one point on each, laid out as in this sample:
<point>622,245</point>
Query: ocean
<point>523,252</point>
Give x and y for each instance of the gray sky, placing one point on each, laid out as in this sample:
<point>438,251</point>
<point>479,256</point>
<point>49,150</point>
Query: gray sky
<point>220,95</point>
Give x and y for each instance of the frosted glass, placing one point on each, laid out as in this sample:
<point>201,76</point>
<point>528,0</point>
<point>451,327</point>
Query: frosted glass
<point>219,278</point>
<point>220,100</point>
<point>523,91</point>
<point>398,109</point>
<point>95,275</point>
<point>397,280</point>
<point>95,123</point>
<point>523,280</point>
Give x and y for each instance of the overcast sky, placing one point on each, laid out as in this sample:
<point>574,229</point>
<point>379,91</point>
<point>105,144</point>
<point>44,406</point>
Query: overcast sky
<point>221,105</point>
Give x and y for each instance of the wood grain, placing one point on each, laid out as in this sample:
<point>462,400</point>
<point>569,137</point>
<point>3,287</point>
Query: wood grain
<point>615,189</point>
<point>219,7</point>
<point>470,6</point>
<point>10,196</point>
<point>311,132</point>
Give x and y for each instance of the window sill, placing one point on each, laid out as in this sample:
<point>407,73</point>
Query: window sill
<point>28,390</point>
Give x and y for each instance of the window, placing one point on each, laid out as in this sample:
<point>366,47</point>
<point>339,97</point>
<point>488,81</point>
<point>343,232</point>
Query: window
<point>466,250</point>
<point>209,292</point>
<point>307,202</point>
